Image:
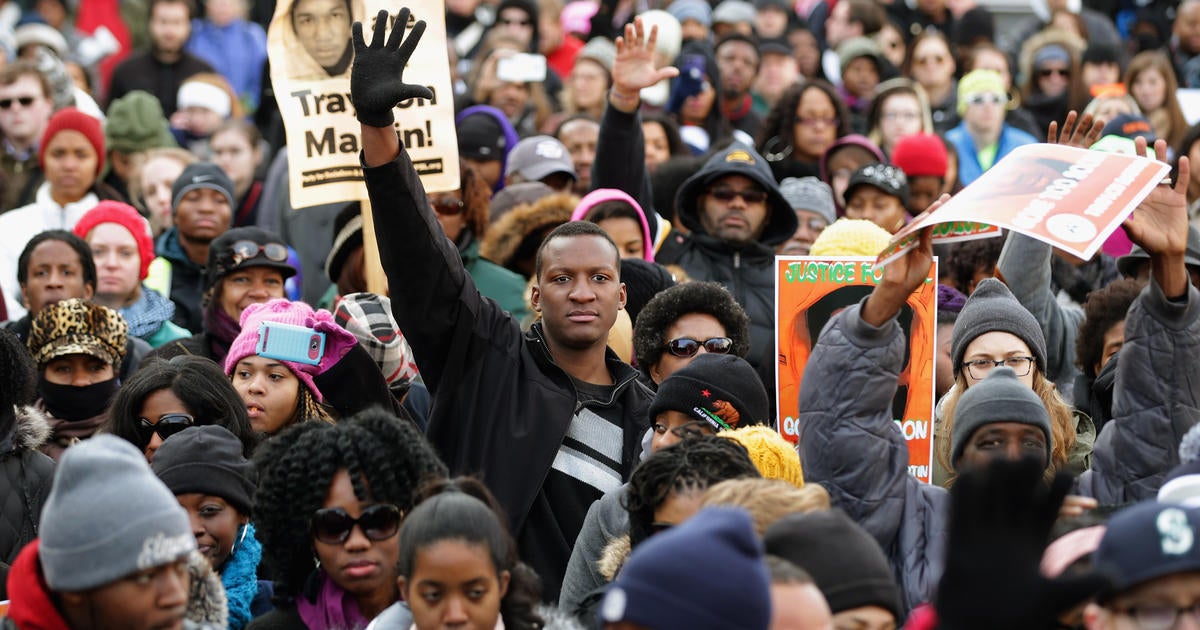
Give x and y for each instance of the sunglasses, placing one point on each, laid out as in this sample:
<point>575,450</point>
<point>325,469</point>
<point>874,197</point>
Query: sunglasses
<point>332,526</point>
<point>245,250</point>
<point>448,206</point>
<point>168,424</point>
<point>1049,72</point>
<point>686,347</point>
<point>726,194</point>
<point>25,101</point>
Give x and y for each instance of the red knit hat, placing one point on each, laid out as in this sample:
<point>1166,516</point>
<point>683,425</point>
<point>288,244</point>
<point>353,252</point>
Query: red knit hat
<point>75,120</point>
<point>124,215</point>
<point>920,155</point>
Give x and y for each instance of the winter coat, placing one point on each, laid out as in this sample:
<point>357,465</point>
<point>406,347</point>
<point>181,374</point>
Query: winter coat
<point>494,281</point>
<point>149,318</point>
<point>606,521</point>
<point>186,287</point>
<point>969,168</point>
<point>1156,399</point>
<point>19,225</point>
<point>851,446</point>
<point>25,476</point>
<point>502,406</point>
<point>66,433</point>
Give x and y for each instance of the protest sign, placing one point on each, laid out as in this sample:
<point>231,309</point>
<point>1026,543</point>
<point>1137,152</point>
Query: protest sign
<point>809,291</point>
<point>311,56</point>
<point>1068,197</point>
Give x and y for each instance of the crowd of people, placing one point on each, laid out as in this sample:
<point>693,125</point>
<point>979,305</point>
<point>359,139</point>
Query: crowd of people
<point>560,408</point>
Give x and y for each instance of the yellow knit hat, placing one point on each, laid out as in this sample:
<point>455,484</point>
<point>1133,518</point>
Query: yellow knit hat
<point>850,237</point>
<point>773,456</point>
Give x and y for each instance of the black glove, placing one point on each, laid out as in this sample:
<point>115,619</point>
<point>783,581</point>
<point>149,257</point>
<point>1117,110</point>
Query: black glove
<point>376,85</point>
<point>1000,524</point>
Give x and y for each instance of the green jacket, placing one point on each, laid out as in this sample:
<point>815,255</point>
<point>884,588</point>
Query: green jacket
<point>496,282</point>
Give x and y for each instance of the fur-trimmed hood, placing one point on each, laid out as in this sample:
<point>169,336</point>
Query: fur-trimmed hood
<point>1070,41</point>
<point>30,431</point>
<point>207,608</point>
<point>615,553</point>
<point>508,235</point>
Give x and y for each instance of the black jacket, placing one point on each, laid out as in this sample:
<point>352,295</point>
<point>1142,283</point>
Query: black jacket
<point>25,476</point>
<point>501,405</point>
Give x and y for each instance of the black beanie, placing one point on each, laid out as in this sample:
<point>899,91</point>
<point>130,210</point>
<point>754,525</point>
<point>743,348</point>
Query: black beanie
<point>844,560</point>
<point>715,388</point>
<point>643,280</point>
<point>206,459</point>
<point>347,237</point>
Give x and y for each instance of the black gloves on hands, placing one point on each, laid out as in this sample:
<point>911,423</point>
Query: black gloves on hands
<point>376,83</point>
<point>1000,525</point>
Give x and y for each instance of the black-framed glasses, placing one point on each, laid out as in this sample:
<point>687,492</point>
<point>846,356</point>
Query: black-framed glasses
<point>686,347</point>
<point>245,250</point>
<point>1160,616</point>
<point>726,194</point>
<point>980,368</point>
<point>167,425</point>
<point>25,101</point>
<point>447,205</point>
<point>332,526</point>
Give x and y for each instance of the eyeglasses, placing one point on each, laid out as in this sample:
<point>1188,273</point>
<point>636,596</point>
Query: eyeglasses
<point>25,101</point>
<point>332,526</point>
<point>1160,616</point>
<point>245,250</point>
<point>901,115</point>
<point>1049,72</point>
<point>726,194</point>
<point>685,347</point>
<point>168,424</point>
<point>815,224</point>
<point>817,122</point>
<point>979,368</point>
<point>448,206</point>
<point>986,98</point>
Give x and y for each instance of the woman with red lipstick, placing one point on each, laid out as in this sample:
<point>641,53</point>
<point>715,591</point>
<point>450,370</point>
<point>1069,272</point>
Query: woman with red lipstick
<point>330,502</point>
<point>205,469</point>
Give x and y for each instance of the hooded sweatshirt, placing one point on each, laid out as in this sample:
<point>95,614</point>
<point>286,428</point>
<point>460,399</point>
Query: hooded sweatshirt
<point>601,195</point>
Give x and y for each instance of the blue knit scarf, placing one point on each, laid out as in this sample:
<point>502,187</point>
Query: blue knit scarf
<point>240,578</point>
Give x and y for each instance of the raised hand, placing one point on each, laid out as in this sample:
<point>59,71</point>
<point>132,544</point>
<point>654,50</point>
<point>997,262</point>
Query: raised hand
<point>634,68</point>
<point>900,278</point>
<point>376,81</point>
<point>1083,135</point>
<point>1160,225</point>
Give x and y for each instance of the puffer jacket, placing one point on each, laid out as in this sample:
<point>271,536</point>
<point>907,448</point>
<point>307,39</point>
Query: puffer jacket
<point>851,446</point>
<point>1156,399</point>
<point>25,476</point>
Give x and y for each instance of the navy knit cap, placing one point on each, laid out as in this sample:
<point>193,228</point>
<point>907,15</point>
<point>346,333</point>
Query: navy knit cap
<point>667,584</point>
<point>1001,397</point>
<point>992,307</point>
<point>1148,541</point>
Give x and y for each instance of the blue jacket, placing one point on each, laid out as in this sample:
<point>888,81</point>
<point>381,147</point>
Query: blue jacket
<point>969,169</point>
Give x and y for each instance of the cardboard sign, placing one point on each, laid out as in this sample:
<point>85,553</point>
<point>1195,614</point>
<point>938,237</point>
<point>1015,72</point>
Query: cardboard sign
<point>1070,198</point>
<point>808,292</point>
<point>311,53</point>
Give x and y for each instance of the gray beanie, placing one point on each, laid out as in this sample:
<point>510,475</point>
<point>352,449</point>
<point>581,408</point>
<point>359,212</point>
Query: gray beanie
<point>107,517</point>
<point>1001,397</point>
<point>992,307</point>
<point>809,193</point>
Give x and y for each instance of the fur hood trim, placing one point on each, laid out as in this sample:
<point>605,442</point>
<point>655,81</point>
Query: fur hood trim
<point>505,236</point>
<point>207,607</point>
<point>615,553</point>
<point>32,429</point>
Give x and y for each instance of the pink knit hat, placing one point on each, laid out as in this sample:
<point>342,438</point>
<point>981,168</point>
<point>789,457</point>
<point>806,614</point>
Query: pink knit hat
<point>601,195</point>
<point>338,342</point>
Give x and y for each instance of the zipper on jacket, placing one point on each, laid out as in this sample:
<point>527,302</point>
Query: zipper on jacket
<point>737,260</point>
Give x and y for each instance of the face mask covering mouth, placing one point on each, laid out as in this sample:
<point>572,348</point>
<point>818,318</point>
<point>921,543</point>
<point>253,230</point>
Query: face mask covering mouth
<point>70,402</point>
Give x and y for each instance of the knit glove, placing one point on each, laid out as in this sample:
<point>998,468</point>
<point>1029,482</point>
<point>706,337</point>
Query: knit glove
<point>1000,524</point>
<point>376,83</point>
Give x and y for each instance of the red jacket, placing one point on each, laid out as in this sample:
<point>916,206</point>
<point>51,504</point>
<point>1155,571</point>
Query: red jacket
<point>31,607</point>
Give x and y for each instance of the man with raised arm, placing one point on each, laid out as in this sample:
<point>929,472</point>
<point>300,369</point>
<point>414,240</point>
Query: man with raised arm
<point>550,418</point>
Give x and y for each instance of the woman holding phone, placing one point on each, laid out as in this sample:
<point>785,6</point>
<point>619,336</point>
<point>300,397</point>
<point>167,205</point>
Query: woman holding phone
<point>276,380</point>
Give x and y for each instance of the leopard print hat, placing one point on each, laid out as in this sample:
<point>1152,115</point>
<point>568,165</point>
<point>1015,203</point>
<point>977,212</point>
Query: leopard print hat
<point>77,327</point>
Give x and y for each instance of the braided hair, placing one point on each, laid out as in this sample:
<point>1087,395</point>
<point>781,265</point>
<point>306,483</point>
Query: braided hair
<point>296,469</point>
<point>693,464</point>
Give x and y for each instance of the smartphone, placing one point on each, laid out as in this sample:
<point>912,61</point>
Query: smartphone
<point>286,342</point>
<point>521,68</point>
